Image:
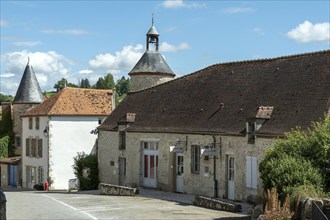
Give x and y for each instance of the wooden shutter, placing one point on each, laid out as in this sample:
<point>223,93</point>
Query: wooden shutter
<point>37,123</point>
<point>27,147</point>
<point>30,122</point>
<point>40,148</point>
<point>251,172</point>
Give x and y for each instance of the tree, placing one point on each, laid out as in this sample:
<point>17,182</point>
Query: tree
<point>106,82</point>
<point>86,170</point>
<point>84,83</point>
<point>302,158</point>
<point>61,84</point>
<point>122,86</point>
<point>6,98</point>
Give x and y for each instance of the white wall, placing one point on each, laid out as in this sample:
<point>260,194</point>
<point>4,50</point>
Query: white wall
<point>67,136</point>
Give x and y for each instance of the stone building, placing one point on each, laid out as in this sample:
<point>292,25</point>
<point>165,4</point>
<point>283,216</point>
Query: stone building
<point>205,133</point>
<point>151,69</point>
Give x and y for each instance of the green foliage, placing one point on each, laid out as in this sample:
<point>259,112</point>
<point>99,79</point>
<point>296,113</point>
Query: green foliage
<point>301,159</point>
<point>88,163</point>
<point>4,146</point>
<point>6,98</point>
<point>61,84</point>
<point>122,86</point>
<point>106,82</point>
<point>84,83</point>
<point>6,130</point>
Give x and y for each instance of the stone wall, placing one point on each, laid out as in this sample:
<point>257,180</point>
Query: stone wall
<point>115,190</point>
<point>140,82</point>
<point>217,204</point>
<point>201,183</point>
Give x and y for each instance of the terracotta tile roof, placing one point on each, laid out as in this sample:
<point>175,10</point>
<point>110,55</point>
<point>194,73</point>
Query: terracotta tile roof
<point>221,97</point>
<point>75,101</point>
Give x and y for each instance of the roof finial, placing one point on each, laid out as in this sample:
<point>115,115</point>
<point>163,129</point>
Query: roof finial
<point>28,61</point>
<point>152,19</point>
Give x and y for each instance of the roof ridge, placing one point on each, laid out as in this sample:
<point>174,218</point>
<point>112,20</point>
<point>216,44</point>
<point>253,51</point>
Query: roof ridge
<point>237,62</point>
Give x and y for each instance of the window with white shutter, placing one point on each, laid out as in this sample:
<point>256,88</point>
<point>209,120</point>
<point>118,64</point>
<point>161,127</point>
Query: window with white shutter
<point>251,172</point>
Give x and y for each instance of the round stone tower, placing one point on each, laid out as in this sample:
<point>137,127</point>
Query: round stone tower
<point>151,69</point>
<point>28,95</point>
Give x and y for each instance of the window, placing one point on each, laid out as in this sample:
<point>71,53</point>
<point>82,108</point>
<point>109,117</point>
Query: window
<point>18,141</point>
<point>251,172</point>
<point>27,147</point>
<point>33,148</point>
<point>122,140</point>
<point>196,152</point>
<point>251,136</point>
<point>40,148</point>
<point>30,123</point>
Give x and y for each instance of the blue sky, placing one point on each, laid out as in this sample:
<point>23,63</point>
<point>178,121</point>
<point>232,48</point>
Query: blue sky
<point>88,39</point>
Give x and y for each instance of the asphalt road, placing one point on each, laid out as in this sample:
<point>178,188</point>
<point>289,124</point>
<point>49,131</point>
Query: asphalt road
<point>57,205</point>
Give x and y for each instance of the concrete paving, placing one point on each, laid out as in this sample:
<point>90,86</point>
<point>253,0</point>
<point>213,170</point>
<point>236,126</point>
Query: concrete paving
<point>150,204</point>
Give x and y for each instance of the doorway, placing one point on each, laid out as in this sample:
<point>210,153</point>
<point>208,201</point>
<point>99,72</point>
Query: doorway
<point>231,177</point>
<point>150,164</point>
<point>122,170</point>
<point>179,172</point>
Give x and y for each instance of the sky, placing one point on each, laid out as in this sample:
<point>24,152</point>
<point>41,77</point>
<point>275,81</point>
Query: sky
<point>88,39</point>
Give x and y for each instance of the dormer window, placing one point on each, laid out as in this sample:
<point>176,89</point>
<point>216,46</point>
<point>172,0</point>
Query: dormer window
<point>251,130</point>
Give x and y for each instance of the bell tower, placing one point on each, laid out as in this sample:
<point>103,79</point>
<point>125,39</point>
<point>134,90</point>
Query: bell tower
<point>152,69</point>
<point>152,36</point>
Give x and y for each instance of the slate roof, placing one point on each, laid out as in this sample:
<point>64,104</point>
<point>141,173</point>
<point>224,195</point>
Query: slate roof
<point>153,63</point>
<point>220,98</point>
<point>75,102</point>
<point>29,90</point>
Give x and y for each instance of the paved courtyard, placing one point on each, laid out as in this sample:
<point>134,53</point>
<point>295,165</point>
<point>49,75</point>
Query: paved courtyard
<point>148,205</point>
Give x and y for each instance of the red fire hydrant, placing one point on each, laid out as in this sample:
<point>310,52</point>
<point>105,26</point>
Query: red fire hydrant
<point>46,186</point>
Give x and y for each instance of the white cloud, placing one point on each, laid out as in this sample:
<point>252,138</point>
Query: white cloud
<point>48,66</point>
<point>181,4</point>
<point>7,75</point>
<point>170,29</point>
<point>26,43</point>
<point>166,47</point>
<point>235,10</point>
<point>75,32</point>
<point>258,31</point>
<point>123,60</point>
<point>85,71</point>
<point>3,23</point>
<point>308,32</point>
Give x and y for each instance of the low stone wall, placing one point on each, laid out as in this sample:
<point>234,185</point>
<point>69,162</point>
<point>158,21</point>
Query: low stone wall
<point>115,190</point>
<point>216,204</point>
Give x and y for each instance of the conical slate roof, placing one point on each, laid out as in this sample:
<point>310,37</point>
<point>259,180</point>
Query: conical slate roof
<point>29,90</point>
<point>153,31</point>
<point>151,62</point>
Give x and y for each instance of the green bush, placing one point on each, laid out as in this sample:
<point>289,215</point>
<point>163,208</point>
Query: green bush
<point>302,158</point>
<point>88,180</point>
<point>285,172</point>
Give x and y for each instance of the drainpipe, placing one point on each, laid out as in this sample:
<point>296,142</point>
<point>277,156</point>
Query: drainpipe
<point>214,171</point>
